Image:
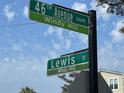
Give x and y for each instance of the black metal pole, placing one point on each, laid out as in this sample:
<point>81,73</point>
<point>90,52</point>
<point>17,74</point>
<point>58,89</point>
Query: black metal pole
<point>93,70</point>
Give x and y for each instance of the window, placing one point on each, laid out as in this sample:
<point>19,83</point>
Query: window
<point>113,83</point>
<point>123,81</point>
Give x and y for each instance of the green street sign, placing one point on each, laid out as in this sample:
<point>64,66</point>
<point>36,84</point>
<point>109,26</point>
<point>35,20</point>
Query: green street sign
<point>73,62</point>
<point>59,16</point>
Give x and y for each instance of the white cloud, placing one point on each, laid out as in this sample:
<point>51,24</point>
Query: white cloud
<point>50,31</point>
<point>81,38</point>
<point>68,43</point>
<point>62,42</point>
<point>8,12</point>
<point>17,47</point>
<point>60,33</point>
<point>110,56</point>
<point>62,39</point>
<point>56,45</point>
<point>116,35</point>
<point>93,4</point>
<point>101,11</point>
<point>19,67</point>
<point>79,6</point>
<point>84,39</point>
<point>25,72</point>
<point>52,54</point>
<point>25,11</point>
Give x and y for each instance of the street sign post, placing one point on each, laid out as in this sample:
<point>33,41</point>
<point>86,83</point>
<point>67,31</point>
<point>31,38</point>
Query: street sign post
<point>73,20</point>
<point>93,68</point>
<point>59,16</point>
<point>69,63</point>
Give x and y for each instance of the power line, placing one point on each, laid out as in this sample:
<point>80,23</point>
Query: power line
<point>30,23</point>
<point>13,25</point>
<point>19,24</point>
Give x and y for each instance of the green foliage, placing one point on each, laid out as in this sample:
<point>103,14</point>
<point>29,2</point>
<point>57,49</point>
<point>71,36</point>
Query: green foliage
<point>115,6</point>
<point>68,80</point>
<point>121,30</point>
<point>27,90</point>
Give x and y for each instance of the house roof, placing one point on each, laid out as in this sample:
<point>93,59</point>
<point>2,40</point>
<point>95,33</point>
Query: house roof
<point>111,71</point>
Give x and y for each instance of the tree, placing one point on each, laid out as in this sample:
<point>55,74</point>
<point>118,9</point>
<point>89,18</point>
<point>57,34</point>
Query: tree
<point>68,79</point>
<point>121,30</point>
<point>65,87</point>
<point>115,6</point>
<point>27,90</point>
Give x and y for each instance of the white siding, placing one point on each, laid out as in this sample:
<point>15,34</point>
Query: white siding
<point>107,76</point>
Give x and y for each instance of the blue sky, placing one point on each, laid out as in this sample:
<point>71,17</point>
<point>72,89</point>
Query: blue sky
<point>25,49</point>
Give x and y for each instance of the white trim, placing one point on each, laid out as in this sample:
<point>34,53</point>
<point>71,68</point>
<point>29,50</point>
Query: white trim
<point>113,83</point>
<point>110,71</point>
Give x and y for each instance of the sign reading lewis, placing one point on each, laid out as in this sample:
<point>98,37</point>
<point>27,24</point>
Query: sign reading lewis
<point>59,16</point>
<point>73,62</point>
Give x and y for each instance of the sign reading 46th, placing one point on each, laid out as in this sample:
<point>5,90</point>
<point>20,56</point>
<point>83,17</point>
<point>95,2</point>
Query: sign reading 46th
<point>59,16</point>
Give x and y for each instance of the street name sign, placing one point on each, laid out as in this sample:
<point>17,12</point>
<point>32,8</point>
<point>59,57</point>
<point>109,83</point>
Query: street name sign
<point>69,63</point>
<point>59,16</point>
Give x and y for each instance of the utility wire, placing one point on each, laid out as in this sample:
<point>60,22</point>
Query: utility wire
<point>13,25</point>
<point>30,23</point>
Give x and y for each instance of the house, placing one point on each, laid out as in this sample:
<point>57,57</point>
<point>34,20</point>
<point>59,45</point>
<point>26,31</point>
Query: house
<point>108,82</point>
